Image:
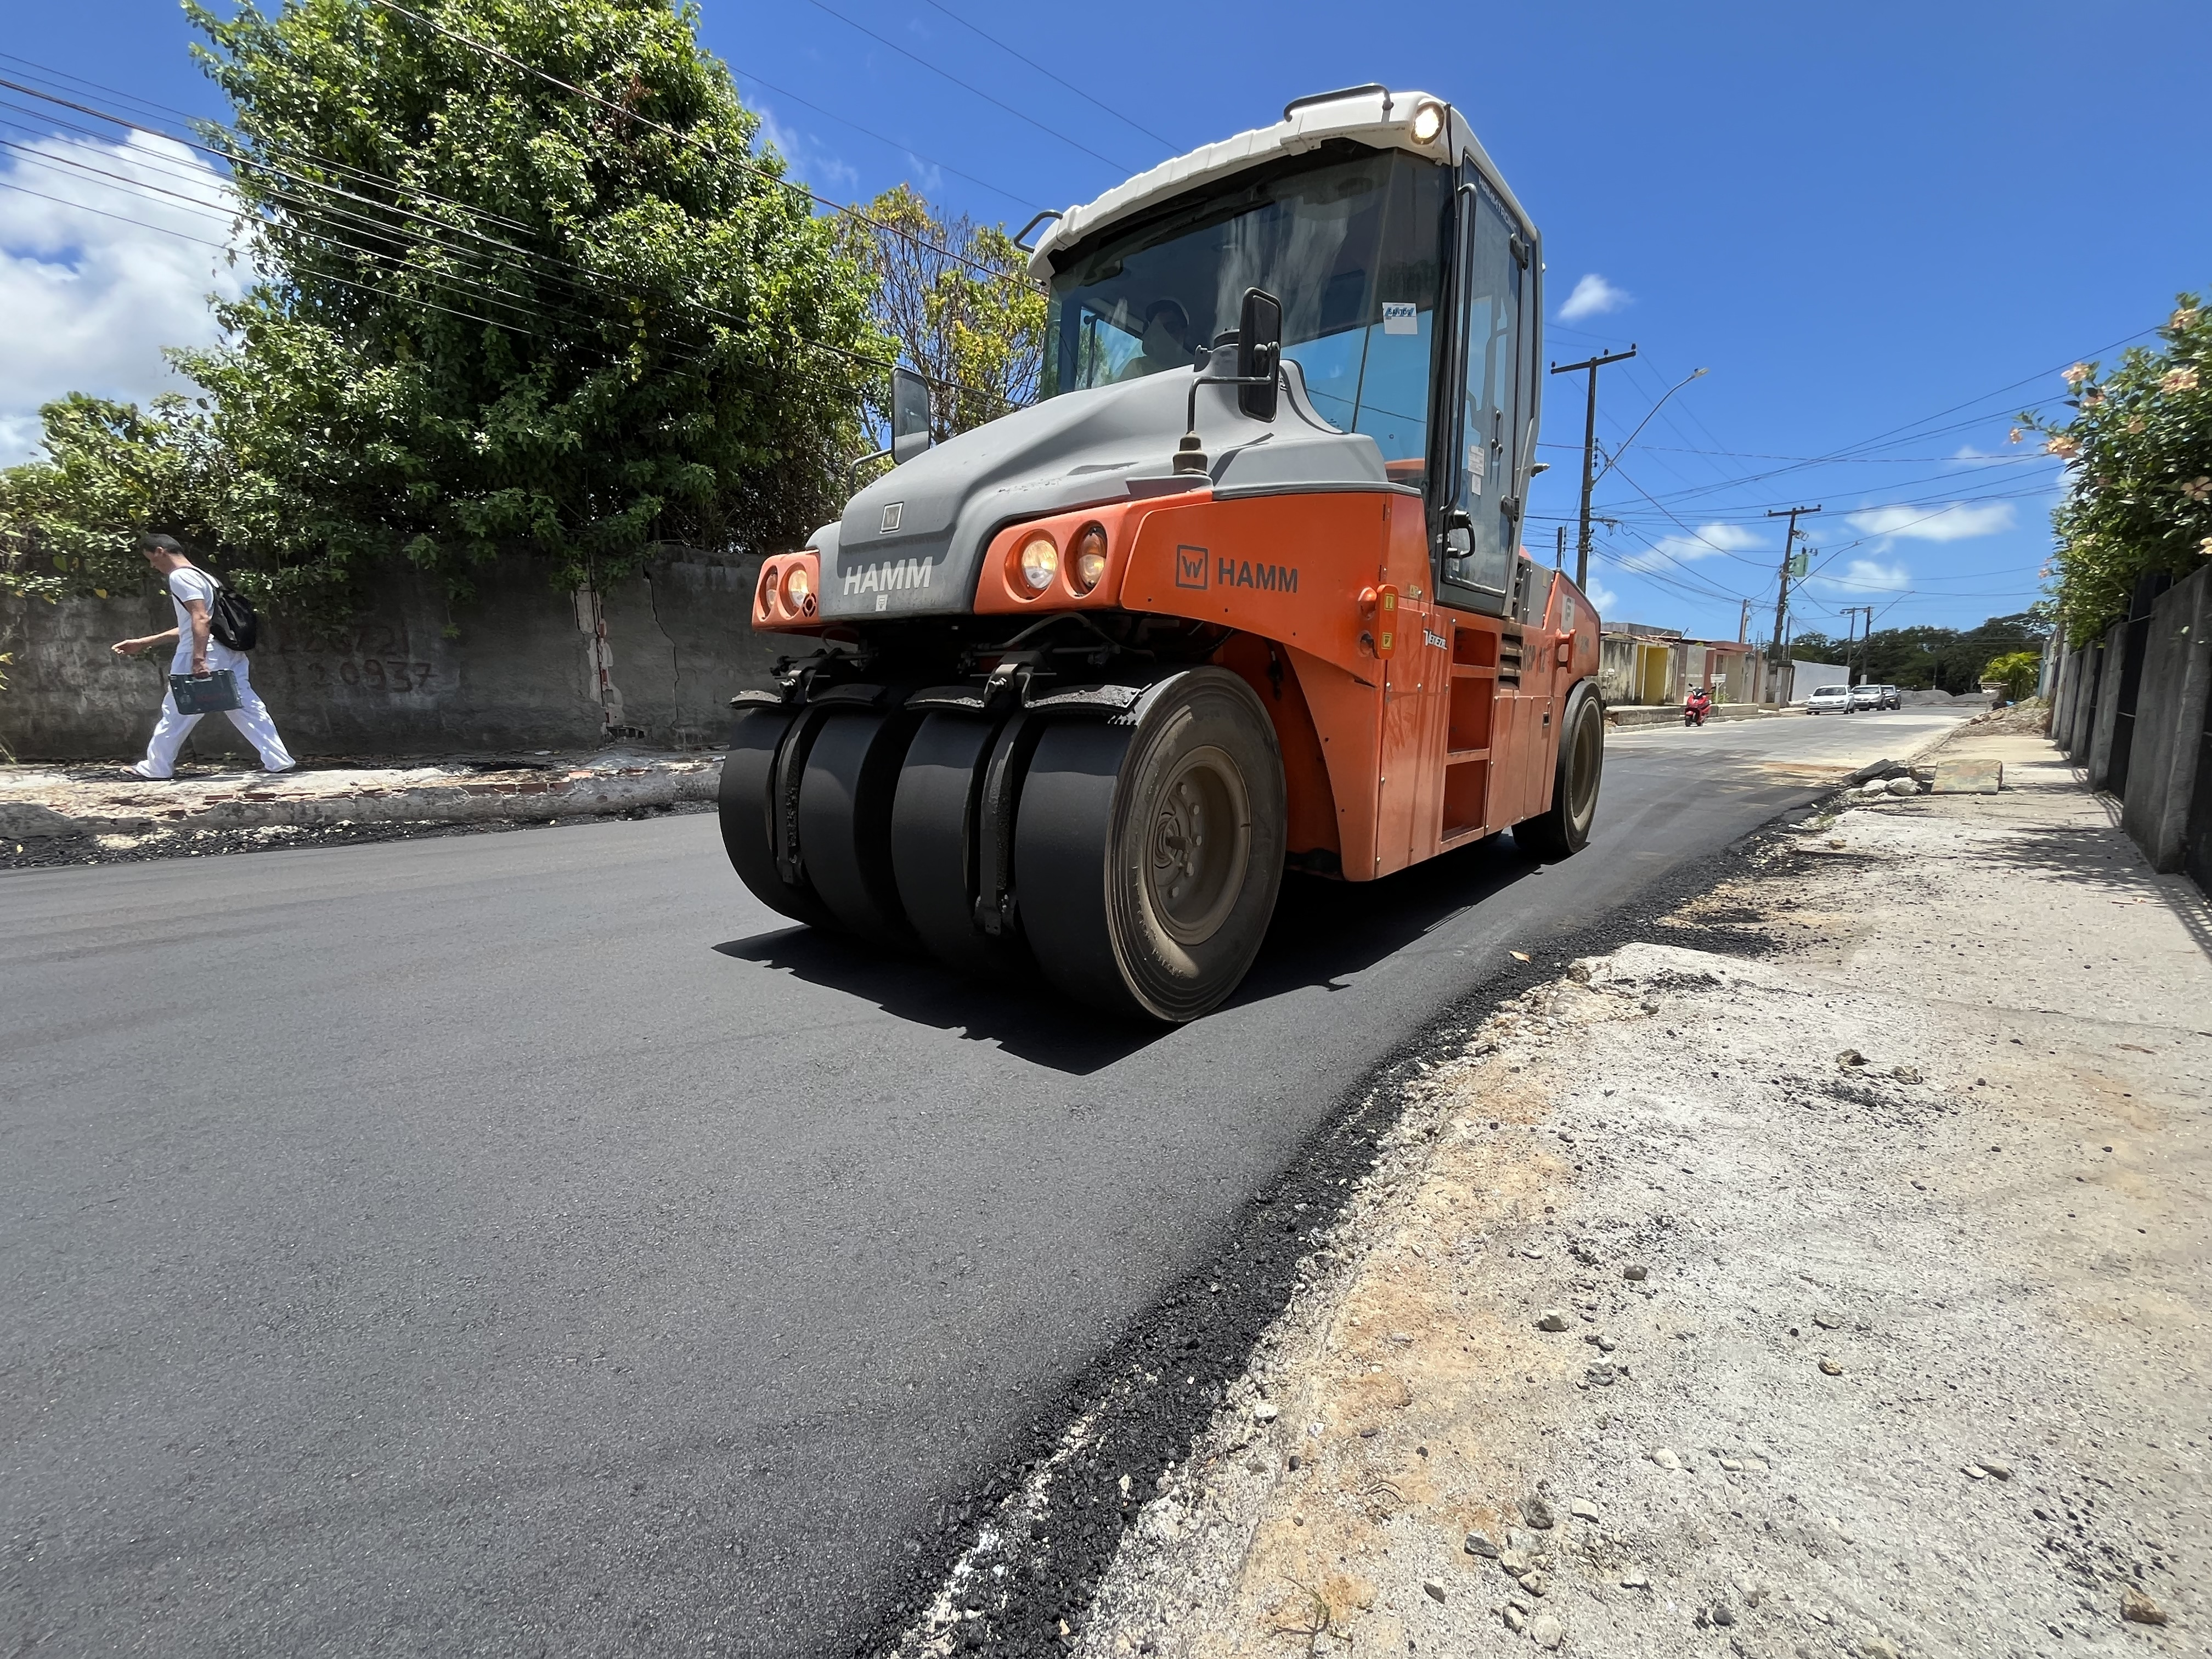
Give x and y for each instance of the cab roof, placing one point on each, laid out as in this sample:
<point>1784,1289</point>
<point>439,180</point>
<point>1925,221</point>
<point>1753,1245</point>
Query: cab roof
<point>1368,115</point>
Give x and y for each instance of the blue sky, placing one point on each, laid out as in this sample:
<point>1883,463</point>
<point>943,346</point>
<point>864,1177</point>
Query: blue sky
<point>1882,228</point>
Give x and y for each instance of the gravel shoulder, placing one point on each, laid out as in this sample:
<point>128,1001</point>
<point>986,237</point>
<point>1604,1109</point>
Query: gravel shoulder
<point>1824,1273</point>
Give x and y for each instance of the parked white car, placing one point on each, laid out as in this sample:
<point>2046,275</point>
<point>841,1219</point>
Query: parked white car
<point>1866,696</point>
<point>1829,699</point>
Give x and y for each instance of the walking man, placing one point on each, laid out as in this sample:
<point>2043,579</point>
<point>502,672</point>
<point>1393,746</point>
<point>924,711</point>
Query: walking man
<point>192,591</point>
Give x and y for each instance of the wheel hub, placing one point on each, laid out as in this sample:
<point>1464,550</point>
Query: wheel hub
<point>1200,843</point>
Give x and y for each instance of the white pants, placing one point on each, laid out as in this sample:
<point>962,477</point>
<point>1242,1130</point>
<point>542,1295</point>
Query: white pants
<point>251,717</point>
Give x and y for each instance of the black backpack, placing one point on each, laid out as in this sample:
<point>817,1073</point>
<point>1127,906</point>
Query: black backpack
<point>232,619</point>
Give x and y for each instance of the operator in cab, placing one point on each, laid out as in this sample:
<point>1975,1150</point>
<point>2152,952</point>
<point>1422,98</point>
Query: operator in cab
<point>1167,327</point>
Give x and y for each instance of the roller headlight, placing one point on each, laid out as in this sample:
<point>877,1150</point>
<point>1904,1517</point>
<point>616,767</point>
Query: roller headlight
<point>1037,562</point>
<point>765,598</point>
<point>1428,122</point>
<point>798,590</point>
<point>1086,560</point>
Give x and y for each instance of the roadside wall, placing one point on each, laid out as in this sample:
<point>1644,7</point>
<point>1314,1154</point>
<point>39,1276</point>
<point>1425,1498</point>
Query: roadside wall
<point>2134,710</point>
<point>1802,678</point>
<point>2105,721</point>
<point>517,666</point>
<point>2168,791</point>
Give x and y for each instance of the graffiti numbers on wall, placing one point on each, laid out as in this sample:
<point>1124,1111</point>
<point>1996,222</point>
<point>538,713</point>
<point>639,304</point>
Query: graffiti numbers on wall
<point>389,675</point>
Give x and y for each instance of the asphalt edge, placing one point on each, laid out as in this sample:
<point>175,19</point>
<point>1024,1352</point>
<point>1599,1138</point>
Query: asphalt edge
<point>1013,1567</point>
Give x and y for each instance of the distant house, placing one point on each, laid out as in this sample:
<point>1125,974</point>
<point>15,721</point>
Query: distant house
<point>1639,664</point>
<point>1730,670</point>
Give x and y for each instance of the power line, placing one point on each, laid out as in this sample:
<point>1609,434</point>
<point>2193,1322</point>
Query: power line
<point>1172,146</point>
<point>1050,132</point>
<point>770,173</point>
<point>202,123</point>
<point>542,265</point>
<point>1023,202</point>
<point>1856,450</point>
<point>476,288</point>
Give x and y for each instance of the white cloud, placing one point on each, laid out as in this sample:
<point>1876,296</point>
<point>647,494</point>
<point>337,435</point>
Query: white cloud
<point>1707,541</point>
<point>87,300</point>
<point>810,162</point>
<point>1592,297</point>
<point>1958,522</point>
<point>926,176</point>
<point>1864,573</point>
<point>1601,596</point>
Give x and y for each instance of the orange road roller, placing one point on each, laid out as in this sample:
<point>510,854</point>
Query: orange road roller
<point>1241,592</point>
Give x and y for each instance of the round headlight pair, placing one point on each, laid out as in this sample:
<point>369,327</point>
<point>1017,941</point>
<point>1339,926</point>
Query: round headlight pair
<point>1037,562</point>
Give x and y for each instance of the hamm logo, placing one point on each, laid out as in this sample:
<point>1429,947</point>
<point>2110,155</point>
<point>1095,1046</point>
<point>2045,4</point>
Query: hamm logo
<point>1190,567</point>
<point>1268,578</point>
<point>892,576</point>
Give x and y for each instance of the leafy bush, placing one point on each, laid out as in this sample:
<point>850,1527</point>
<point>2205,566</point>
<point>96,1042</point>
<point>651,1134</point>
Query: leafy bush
<point>2017,671</point>
<point>2138,450</point>
<point>492,315</point>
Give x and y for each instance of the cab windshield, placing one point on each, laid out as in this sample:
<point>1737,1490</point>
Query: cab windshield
<point>1351,246</point>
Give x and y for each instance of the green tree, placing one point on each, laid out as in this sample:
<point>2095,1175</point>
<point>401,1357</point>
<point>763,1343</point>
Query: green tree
<point>2138,449</point>
<point>493,315</point>
<point>1922,658</point>
<point>958,299</point>
<point>2016,671</point>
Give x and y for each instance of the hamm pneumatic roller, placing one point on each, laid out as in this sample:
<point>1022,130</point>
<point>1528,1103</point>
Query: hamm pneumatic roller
<point>1241,592</point>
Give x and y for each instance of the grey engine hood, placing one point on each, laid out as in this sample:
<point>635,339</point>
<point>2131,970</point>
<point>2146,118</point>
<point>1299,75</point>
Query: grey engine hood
<point>910,543</point>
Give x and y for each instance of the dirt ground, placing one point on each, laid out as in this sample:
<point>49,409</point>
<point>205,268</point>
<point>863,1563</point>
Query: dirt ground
<point>1840,1292</point>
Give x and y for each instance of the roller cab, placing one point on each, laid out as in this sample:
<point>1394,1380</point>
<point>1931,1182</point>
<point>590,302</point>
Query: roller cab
<point>1240,594</point>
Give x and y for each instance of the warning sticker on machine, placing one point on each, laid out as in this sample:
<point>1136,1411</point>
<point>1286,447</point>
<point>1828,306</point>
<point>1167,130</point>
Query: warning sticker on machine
<point>1400,319</point>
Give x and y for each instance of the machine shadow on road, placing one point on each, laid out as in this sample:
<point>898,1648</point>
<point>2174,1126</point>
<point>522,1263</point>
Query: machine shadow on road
<point>1323,932</point>
<point>1022,1019</point>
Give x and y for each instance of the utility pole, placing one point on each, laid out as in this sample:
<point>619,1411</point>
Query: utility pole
<point>1743,625</point>
<point>1866,644</point>
<point>1560,558</point>
<point>1851,638</point>
<point>1789,546</point>
<point>1590,452</point>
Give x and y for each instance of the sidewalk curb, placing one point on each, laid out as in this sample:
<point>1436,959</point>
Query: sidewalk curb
<point>260,807</point>
<point>1644,715</point>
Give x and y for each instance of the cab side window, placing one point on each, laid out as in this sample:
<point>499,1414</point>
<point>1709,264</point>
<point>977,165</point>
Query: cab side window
<point>1482,533</point>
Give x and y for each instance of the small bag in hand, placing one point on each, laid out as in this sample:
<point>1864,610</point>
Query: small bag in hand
<point>204,694</point>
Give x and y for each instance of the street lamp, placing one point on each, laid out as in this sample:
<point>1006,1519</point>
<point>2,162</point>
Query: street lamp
<point>1646,421</point>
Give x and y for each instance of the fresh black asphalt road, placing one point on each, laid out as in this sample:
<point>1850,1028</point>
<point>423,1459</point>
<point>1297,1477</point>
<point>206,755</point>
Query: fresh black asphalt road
<point>521,1243</point>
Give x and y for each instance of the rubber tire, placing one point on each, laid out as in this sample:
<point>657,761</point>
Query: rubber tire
<point>1564,830</point>
<point>1084,841</point>
<point>934,843</point>
<point>845,797</point>
<point>748,823</point>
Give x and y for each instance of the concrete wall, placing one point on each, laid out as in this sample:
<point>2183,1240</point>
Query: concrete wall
<point>2105,720</point>
<point>2081,714</point>
<point>1802,678</point>
<point>2169,778</point>
<point>2134,709</point>
<point>2060,692</point>
<point>517,666</point>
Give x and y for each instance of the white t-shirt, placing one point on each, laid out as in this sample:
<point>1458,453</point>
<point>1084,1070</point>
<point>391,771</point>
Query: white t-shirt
<point>188,583</point>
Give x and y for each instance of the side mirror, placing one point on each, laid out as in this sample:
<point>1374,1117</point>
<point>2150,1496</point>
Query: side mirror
<point>909,416</point>
<point>1259,353</point>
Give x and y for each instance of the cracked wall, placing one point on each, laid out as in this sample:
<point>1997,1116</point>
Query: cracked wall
<point>517,666</point>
